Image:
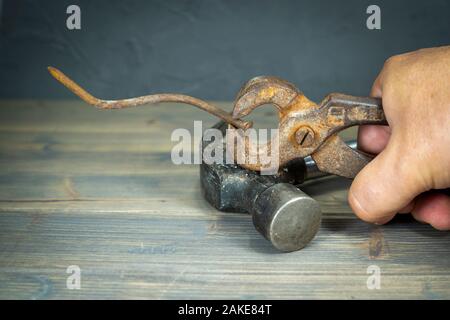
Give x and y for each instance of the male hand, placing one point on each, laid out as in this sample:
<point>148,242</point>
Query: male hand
<point>413,152</point>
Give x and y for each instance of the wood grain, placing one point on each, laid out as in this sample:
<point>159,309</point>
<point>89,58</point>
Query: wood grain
<point>97,189</point>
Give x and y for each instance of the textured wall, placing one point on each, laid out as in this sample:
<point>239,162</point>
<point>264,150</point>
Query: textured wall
<point>208,48</point>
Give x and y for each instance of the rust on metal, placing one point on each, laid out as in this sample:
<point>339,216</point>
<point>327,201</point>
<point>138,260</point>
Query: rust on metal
<point>304,136</point>
<point>307,128</point>
<point>148,99</point>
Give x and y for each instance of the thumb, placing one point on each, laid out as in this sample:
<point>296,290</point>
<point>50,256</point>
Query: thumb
<point>385,186</point>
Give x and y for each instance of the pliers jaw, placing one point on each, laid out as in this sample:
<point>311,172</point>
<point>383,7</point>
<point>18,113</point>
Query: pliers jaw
<point>306,128</point>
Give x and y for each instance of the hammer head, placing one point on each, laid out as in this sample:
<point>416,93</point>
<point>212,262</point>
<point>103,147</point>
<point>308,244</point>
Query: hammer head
<point>281,212</point>
<point>287,217</point>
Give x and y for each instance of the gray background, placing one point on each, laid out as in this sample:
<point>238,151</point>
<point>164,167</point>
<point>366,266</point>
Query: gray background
<point>208,48</point>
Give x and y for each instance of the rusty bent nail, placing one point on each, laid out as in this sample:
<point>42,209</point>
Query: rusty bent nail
<point>149,99</point>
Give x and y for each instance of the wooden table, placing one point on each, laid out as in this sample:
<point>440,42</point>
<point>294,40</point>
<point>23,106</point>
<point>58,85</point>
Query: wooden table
<point>97,190</point>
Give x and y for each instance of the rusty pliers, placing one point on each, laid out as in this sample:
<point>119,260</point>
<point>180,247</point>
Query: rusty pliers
<point>307,128</point>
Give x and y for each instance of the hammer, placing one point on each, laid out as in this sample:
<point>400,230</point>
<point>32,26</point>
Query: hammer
<point>281,212</point>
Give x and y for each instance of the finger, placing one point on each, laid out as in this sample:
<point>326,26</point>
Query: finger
<point>384,186</point>
<point>433,208</point>
<point>372,138</point>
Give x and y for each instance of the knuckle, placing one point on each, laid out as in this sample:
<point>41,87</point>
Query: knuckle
<point>391,61</point>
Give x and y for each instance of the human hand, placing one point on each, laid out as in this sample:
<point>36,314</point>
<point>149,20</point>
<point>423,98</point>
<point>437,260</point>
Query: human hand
<point>413,152</point>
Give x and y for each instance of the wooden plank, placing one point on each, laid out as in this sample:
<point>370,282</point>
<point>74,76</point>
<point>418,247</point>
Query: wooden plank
<point>97,189</point>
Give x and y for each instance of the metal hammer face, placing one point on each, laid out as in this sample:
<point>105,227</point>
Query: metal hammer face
<point>286,216</point>
<point>281,212</point>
